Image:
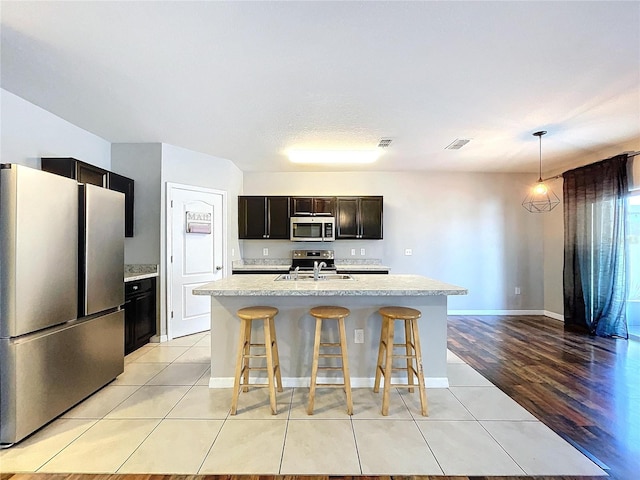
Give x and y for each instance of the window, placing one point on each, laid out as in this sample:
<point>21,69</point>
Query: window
<point>633,272</point>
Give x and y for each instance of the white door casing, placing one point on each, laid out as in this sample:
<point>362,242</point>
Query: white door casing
<point>195,257</point>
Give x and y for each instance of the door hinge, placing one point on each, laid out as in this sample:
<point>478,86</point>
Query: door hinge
<point>171,203</point>
<point>171,258</point>
<point>171,313</point>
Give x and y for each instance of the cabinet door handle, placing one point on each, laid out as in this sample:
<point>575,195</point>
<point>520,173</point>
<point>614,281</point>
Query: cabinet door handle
<point>135,287</point>
<point>218,267</point>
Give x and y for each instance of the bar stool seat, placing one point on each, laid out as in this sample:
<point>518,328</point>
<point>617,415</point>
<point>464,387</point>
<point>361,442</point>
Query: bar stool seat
<point>412,353</point>
<point>330,313</point>
<point>241,380</point>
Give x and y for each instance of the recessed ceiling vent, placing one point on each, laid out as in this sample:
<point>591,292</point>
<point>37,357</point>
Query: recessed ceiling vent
<point>457,144</point>
<point>384,142</point>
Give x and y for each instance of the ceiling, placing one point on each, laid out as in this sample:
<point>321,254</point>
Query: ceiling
<point>248,81</point>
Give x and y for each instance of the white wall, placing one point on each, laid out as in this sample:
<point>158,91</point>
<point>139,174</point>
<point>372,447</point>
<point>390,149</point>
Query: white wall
<point>554,254</point>
<point>634,173</point>
<point>464,228</point>
<point>142,162</point>
<point>187,167</point>
<point>152,166</point>
<point>469,228</point>
<point>27,132</point>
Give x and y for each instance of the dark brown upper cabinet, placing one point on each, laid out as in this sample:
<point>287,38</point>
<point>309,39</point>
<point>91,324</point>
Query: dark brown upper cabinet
<point>76,169</point>
<point>313,206</point>
<point>124,185</point>
<point>359,218</point>
<point>262,217</point>
<point>85,173</point>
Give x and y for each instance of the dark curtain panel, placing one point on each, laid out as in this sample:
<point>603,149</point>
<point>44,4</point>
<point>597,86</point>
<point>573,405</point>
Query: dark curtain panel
<point>595,280</point>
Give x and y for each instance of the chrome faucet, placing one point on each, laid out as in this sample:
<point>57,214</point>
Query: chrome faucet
<point>317,267</point>
<point>295,272</point>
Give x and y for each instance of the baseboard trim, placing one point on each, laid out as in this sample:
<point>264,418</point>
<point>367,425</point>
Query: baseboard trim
<point>159,339</point>
<point>555,316</point>
<point>496,312</point>
<point>303,382</point>
<point>546,313</point>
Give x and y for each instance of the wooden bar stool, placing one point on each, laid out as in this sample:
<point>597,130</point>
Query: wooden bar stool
<point>412,352</point>
<point>241,380</point>
<point>330,313</point>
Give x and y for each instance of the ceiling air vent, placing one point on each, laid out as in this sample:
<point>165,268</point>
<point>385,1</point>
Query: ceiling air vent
<point>384,142</point>
<point>457,144</point>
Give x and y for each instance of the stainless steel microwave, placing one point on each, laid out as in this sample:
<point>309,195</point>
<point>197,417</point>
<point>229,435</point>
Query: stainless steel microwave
<point>313,229</point>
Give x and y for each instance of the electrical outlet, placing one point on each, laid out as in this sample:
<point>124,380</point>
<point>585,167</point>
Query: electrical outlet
<point>353,251</point>
<point>408,252</point>
<point>517,290</point>
<point>358,336</point>
<point>265,252</point>
<point>362,251</point>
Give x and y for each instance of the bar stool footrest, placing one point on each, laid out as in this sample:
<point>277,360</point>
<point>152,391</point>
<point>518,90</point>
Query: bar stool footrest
<point>403,345</point>
<point>404,385</point>
<point>258,385</point>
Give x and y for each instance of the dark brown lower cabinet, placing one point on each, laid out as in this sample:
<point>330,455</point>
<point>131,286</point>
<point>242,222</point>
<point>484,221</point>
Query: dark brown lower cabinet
<point>139,313</point>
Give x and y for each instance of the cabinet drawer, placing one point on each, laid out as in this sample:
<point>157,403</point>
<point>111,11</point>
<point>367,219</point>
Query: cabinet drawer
<point>137,287</point>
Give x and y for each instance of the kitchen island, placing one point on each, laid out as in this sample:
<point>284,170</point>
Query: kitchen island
<point>362,294</point>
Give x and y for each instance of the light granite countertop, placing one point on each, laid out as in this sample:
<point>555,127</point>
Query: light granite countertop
<point>264,267</point>
<point>362,267</point>
<point>361,285</point>
<point>352,267</point>
<point>130,277</point>
<point>139,272</point>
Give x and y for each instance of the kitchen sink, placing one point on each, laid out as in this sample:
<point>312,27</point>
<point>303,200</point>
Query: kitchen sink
<point>309,277</point>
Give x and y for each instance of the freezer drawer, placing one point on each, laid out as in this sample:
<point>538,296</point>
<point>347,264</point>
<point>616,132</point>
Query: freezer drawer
<point>41,376</point>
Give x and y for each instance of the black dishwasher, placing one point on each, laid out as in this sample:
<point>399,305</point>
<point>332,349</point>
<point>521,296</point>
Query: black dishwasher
<point>139,313</point>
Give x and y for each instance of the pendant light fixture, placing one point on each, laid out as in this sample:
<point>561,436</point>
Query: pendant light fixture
<point>541,198</point>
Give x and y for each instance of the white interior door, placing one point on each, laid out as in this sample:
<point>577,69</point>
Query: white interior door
<point>197,255</point>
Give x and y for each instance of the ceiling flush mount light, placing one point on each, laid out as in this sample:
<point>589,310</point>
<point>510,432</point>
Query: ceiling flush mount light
<point>333,156</point>
<point>541,198</point>
<point>457,144</point>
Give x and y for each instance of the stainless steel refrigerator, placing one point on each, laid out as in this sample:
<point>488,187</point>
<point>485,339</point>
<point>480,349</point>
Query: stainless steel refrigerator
<point>61,278</point>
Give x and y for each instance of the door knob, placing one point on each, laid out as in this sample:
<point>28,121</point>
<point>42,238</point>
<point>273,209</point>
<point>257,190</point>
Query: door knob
<point>219,267</point>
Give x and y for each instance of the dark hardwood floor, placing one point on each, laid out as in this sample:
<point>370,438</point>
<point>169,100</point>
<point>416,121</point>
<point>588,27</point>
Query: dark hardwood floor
<point>586,389</point>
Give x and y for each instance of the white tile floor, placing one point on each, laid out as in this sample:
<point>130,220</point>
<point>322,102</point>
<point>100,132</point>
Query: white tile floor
<point>159,416</point>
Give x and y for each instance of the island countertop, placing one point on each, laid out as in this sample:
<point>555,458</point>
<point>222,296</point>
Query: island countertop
<point>361,285</point>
